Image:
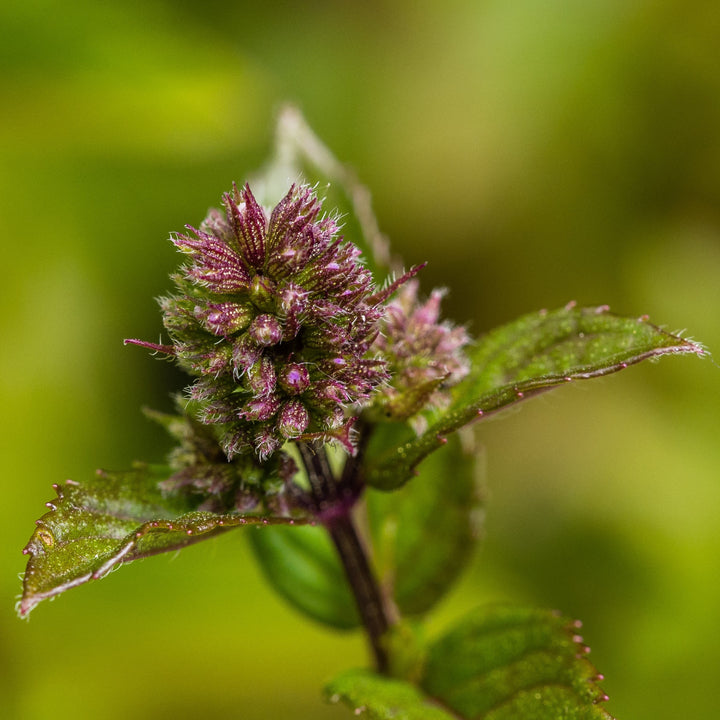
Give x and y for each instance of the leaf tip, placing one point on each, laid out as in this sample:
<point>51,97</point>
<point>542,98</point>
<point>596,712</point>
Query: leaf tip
<point>23,608</point>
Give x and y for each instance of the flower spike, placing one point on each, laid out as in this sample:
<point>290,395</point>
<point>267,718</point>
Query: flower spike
<point>276,317</point>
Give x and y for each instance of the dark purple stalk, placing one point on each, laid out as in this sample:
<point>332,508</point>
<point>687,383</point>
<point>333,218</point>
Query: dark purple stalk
<point>332,502</point>
<point>364,586</point>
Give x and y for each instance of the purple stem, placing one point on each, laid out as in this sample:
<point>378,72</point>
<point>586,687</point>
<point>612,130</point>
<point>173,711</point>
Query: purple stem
<point>332,502</point>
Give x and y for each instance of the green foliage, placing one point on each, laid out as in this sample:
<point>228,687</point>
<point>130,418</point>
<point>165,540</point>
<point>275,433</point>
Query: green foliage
<point>422,537</point>
<point>535,353</point>
<point>514,663</point>
<point>414,538</point>
<point>424,534</point>
<point>112,519</point>
<point>302,565</point>
<point>382,698</point>
<point>496,664</point>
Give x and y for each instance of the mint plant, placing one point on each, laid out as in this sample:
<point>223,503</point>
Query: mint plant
<point>332,403</point>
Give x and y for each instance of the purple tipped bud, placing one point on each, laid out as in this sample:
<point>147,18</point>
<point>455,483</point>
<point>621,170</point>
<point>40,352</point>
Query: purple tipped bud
<point>259,409</point>
<point>216,265</point>
<point>261,377</point>
<point>293,419</point>
<point>335,418</point>
<point>293,299</point>
<point>245,353</point>
<point>235,444</point>
<point>425,355</point>
<point>266,443</point>
<point>429,313</point>
<point>249,223</point>
<point>223,318</point>
<point>330,392</point>
<point>215,361</point>
<point>293,304</point>
<point>266,330</point>
<point>294,379</point>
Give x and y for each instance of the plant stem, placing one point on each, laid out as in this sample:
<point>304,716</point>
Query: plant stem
<point>332,501</point>
<point>365,588</point>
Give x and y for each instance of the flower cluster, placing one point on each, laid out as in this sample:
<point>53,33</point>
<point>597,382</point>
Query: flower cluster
<point>199,470</point>
<point>276,317</point>
<point>425,356</point>
<point>287,334</point>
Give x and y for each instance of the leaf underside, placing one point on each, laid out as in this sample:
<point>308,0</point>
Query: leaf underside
<point>113,519</point>
<point>424,533</point>
<point>303,567</point>
<point>535,353</point>
<point>496,664</point>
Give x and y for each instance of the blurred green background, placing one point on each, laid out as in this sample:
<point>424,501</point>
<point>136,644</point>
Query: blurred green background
<point>533,152</point>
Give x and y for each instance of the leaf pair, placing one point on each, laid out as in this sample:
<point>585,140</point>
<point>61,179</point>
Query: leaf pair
<point>118,517</point>
<point>421,538</point>
<point>496,664</point>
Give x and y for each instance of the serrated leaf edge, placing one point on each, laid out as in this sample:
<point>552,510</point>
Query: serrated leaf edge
<point>188,522</point>
<point>400,466</point>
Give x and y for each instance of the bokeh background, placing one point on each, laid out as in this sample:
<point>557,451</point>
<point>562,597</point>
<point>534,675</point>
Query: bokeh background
<point>533,152</point>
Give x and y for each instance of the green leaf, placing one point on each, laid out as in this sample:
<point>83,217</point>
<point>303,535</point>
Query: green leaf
<point>509,663</point>
<point>382,698</point>
<point>302,565</point>
<point>424,534</point>
<point>532,354</point>
<point>496,664</point>
<point>113,519</point>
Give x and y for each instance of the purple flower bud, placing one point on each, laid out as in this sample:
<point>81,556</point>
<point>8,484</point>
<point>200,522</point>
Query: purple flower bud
<point>293,419</point>
<point>265,443</point>
<point>223,318</point>
<point>330,392</point>
<point>235,443</point>
<point>293,305</point>
<point>335,418</point>
<point>259,409</point>
<point>294,379</point>
<point>245,353</point>
<point>216,265</point>
<point>249,224</point>
<point>266,330</point>
<point>425,356</point>
<point>261,377</point>
<point>293,299</point>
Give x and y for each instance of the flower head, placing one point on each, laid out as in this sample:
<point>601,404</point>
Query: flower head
<point>276,317</point>
<point>425,356</point>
